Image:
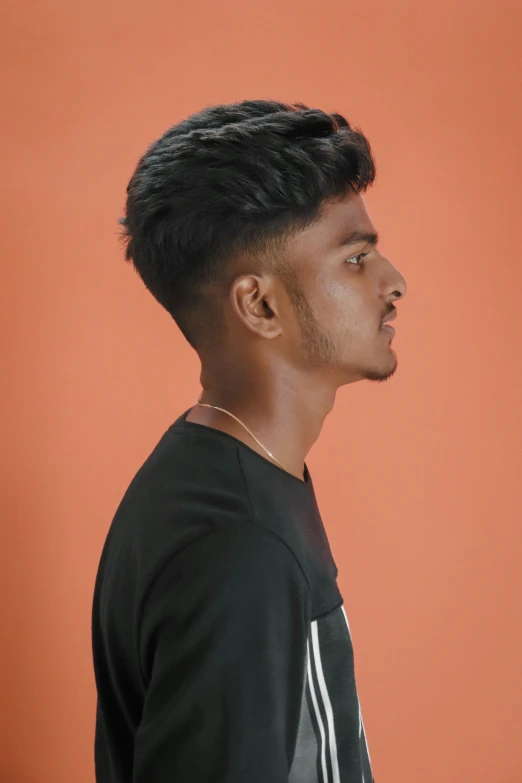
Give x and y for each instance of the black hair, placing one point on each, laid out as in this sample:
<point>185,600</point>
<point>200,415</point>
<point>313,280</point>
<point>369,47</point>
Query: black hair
<point>229,179</point>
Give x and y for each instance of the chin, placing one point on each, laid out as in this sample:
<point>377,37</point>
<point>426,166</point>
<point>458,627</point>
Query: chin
<point>383,373</point>
<point>377,368</point>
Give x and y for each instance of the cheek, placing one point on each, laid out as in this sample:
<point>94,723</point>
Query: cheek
<point>346,311</point>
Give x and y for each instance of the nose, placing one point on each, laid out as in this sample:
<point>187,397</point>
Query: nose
<point>395,287</point>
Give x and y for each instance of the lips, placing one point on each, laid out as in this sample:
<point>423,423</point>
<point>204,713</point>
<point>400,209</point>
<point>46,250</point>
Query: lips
<point>384,323</point>
<point>390,317</point>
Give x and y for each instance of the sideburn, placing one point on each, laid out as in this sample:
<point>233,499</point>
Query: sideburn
<point>318,349</point>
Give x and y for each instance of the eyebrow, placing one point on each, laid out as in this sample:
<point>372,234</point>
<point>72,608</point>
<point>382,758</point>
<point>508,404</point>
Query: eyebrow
<point>372,238</point>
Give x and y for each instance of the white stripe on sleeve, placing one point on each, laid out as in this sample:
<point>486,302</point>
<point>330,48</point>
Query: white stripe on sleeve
<point>326,701</point>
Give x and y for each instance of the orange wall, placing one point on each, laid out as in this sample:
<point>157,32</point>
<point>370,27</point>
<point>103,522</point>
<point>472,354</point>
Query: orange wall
<point>418,479</point>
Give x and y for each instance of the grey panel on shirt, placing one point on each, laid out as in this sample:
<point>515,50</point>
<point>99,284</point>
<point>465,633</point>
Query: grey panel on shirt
<point>304,765</point>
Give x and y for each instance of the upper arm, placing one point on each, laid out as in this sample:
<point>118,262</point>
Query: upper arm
<point>223,644</point>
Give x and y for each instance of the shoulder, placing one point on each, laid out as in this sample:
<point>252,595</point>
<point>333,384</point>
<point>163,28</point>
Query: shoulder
<point>236,588</point>
<point>237,551</point>
<point>191,498</point>
<point>187,484</point>
<point>231,570</point>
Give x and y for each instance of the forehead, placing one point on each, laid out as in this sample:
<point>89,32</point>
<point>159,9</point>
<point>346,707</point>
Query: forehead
<point>337,221</point>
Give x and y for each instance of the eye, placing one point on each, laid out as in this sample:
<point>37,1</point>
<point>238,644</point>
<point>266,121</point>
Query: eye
<point>356,260</point>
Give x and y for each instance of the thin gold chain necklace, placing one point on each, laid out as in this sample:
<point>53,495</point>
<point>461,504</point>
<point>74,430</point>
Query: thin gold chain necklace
<point>206,405</point>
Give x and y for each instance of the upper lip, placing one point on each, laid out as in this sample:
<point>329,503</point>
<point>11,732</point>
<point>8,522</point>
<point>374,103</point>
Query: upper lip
<point>390,317</point>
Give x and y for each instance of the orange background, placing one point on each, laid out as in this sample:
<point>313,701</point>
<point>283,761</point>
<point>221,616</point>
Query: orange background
<point>418,479</point>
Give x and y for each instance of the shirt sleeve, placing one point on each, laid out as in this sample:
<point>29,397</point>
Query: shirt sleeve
<point>223,649</point>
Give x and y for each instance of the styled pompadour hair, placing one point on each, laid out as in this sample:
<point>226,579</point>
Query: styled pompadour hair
<point>229,179</point>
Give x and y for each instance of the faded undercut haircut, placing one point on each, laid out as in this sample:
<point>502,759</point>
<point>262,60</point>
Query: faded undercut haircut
<point>237,178</point>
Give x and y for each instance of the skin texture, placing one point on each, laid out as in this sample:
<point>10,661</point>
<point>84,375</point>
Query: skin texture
<point>297,332</point>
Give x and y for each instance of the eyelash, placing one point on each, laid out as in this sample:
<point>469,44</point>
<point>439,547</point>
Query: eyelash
<point>359,255</point>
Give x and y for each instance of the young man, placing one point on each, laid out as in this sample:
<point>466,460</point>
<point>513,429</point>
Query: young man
<point>222,651</point>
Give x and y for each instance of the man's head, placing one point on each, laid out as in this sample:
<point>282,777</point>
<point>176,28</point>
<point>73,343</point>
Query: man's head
<point>246,223</point>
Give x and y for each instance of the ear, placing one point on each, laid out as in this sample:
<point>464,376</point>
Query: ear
<point>254,300</point>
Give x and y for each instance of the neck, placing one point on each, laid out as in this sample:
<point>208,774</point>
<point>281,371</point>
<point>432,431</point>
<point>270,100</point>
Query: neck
<point>285,410</point>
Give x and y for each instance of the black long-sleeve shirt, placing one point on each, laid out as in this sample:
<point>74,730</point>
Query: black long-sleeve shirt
<point>222,652</point>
